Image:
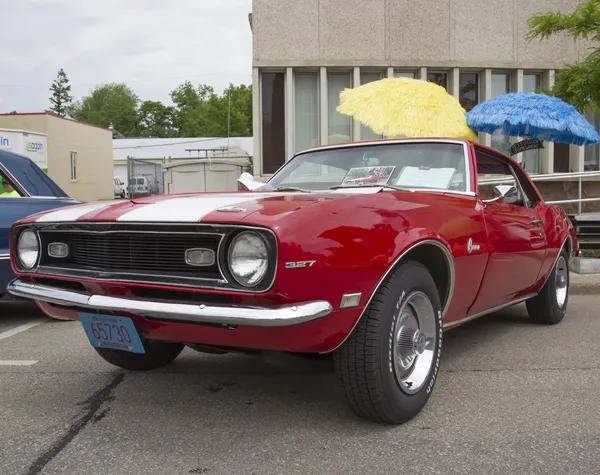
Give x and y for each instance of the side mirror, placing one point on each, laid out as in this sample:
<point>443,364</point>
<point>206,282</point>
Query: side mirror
<point>507,193</point>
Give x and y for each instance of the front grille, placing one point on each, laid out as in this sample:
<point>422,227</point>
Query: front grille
<point>129,253</point>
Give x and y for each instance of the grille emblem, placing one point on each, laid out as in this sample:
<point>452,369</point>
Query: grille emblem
<point>199,257</point>
<point>58,250</point>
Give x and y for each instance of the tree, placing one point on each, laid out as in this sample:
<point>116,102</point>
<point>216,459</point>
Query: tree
<point>579,83</point>
<point>200,112</point>
<point>114,103</point>
<point>156,120</point>
<point>61,99</point>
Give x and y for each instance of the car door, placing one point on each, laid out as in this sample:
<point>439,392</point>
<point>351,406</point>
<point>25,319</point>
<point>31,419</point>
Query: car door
<point>515,232</point>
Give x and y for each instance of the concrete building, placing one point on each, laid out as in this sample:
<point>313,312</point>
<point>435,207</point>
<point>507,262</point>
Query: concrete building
<point>307,51</point>
<point>79,156</point>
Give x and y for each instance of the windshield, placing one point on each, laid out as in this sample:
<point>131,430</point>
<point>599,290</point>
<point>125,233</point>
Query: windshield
<point>419,165</point>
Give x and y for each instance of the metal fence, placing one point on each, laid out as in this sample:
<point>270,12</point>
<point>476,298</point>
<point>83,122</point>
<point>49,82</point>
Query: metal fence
<point>144,178</point>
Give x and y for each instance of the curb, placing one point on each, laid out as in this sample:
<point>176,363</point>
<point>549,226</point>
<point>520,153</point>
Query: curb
<point>584,288</point>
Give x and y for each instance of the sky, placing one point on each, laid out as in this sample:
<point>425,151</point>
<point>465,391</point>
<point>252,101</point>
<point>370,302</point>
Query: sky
<point>152,45</point>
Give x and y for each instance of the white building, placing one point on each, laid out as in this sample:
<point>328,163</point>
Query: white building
<point>161,151</point>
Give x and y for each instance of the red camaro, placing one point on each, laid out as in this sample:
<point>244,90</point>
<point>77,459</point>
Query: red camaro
<point>310,264</point>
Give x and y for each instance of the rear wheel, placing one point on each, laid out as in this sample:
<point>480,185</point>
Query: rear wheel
<point>550,305</point>
<point>158,354</point>
<point>389,364</point>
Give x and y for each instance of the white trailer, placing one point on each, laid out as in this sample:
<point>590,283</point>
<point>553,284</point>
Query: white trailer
<point>30,144</point>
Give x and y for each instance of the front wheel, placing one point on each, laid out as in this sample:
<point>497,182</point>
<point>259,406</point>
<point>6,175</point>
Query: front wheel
<point>550,305</point>
<point>158,354</point>
<point>389,364</point>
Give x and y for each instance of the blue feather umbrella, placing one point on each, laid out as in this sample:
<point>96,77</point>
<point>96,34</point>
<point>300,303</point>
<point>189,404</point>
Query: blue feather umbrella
<point>533,116</point>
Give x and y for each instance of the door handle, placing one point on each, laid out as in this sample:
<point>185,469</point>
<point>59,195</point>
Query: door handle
<point>538,222</point>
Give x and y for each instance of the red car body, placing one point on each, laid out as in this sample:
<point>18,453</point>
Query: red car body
<point>306,264</point>
<point>330,245</point>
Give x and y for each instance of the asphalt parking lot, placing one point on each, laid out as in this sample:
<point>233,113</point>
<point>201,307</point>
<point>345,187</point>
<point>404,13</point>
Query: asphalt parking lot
<point>512,397</point>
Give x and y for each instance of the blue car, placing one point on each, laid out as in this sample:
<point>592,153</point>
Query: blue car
<point>24,189</point>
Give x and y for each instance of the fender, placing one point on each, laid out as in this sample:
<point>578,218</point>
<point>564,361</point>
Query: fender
<point>450,287</point>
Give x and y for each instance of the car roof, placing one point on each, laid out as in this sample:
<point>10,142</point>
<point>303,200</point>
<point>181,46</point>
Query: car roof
<point>29,176</point>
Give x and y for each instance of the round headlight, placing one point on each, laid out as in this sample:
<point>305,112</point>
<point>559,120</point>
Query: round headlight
<point>248,258</point>
<point>28,249</point>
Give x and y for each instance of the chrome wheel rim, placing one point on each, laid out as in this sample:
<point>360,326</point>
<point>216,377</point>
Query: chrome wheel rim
<point>561,280</point>
<point>414,342</point>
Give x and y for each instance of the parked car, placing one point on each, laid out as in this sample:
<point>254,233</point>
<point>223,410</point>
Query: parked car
<point>141,186</point>
<point>371,275</point>
<point>25,189</point>
<point>120,188</point>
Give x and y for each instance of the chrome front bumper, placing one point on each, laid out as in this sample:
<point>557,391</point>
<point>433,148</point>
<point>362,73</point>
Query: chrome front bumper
<point>232,315</point>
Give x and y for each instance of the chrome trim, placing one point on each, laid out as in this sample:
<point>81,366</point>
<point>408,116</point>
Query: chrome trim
<point>223,280</point>
<point>58,244</point>
<point>393,266</point>
<point>568,238</point>
<point>348,298</point>
<point>255,316</point>
<point>4,256</point>
<point>488,311</point>
<point>203,249</point>
<point>464,144</point>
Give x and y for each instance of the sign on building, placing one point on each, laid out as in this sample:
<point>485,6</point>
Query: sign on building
<point>29,144</point>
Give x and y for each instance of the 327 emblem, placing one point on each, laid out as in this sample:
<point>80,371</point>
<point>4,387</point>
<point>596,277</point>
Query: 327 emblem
<point>297,264</point>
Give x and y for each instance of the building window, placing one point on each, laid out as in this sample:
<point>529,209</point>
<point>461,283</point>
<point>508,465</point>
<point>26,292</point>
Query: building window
<point>500,86</point>
<point>440,79</point>
<point>404,74</point>
<point>592,152</point>
<point>366,77</point>
<point>339,125</point>
<point>468,93</point>
<point>531,82</point>
<point>531,158</point>
<point>273,121</point>
<point>306,111</point>
<point>73,166</point>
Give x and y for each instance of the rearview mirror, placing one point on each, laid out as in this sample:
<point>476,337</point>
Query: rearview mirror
<point>507,193</point>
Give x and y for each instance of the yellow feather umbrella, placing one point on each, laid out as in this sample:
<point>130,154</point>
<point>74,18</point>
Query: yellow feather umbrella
<point>406,107</point>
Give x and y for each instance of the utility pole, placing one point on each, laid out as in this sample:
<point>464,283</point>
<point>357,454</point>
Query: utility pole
<point>228,116</point>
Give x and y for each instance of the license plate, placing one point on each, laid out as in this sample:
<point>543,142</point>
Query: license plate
<point>108,331</point>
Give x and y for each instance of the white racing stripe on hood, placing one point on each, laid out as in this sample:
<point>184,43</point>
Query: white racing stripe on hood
<point>71,213</point>
<point>190,209</point>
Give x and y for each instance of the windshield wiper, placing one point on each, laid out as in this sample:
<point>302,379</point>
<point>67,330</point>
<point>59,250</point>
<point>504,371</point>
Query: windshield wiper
<point>393,187</point>
<point>292,188</point>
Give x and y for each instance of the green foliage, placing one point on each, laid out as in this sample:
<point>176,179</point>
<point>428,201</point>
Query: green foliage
<point>60,100</point>
<point>200,112</point>
<point>196,111</point>
<point>579,83</point>
<point>156,120</point>
<point>114,103</point>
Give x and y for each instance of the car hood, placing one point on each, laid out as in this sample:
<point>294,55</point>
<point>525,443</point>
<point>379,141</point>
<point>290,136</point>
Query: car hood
<point>200,207</point>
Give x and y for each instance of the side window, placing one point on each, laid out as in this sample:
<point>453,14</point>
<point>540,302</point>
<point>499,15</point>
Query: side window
<point>7,188</point>
<point>493,171</point>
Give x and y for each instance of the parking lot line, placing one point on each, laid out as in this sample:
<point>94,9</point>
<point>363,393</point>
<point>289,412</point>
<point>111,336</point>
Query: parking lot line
<point>17,362</point>
<point>20,329</point>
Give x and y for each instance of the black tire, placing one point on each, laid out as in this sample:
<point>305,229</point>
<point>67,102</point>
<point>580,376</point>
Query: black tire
<point>365,362</point>
<point>546,307</point>
<point>157,355</point>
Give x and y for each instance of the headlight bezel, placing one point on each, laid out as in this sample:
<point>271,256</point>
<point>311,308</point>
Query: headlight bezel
<point>268,279</point>
<point>20,264</point>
